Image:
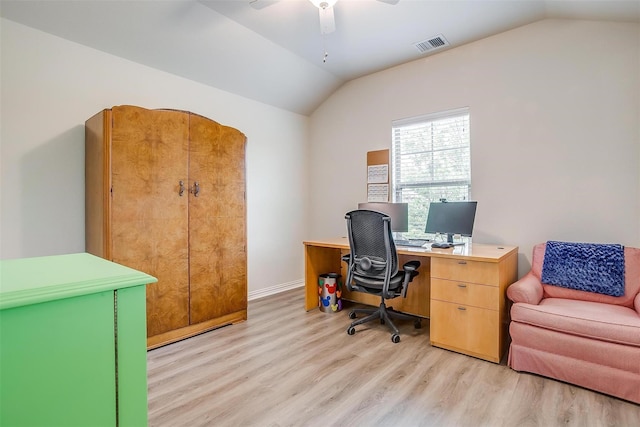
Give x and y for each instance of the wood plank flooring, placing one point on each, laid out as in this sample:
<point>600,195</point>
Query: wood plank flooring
<point>288,367</point>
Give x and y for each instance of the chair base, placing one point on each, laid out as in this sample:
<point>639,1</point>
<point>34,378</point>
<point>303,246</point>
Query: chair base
<point>384,314</point>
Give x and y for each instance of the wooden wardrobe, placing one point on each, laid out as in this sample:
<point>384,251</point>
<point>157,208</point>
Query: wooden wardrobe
<point>165,194</point>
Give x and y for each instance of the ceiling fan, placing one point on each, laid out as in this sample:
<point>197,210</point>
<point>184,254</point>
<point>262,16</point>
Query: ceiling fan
<point>325,9</point>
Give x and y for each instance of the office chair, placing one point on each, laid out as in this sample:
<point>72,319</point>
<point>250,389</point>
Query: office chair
<point>373,268</point>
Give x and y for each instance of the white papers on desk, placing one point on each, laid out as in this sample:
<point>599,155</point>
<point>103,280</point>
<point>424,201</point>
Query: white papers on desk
<point>378,174</point>
<point>378,193</point>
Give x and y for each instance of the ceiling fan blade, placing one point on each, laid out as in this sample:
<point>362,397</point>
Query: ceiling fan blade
<point>390,1</point>
<point>261,4</point>
<point>327,21</point>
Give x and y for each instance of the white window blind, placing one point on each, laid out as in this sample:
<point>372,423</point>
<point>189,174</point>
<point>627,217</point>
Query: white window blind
<point>431,159</point>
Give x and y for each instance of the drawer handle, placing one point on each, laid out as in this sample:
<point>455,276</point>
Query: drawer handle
<point>462,308</point>
<point>462,285</point>
<point>462,262</point>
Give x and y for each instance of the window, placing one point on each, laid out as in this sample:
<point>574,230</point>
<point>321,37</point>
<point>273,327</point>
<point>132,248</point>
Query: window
<point>431,160</point>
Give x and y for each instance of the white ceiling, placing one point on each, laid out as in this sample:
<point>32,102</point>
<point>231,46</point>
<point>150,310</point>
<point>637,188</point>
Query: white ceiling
<point>275,54</point>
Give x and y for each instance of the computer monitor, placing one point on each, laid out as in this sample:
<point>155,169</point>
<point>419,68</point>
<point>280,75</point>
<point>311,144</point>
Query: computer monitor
<point>451,218</point>
<point>398,212</point>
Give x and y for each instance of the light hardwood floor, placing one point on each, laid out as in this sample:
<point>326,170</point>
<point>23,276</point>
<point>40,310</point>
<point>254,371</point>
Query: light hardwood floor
<point>288,367</point>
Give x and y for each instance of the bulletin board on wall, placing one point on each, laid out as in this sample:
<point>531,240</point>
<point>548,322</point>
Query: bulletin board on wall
<point>378,176</point>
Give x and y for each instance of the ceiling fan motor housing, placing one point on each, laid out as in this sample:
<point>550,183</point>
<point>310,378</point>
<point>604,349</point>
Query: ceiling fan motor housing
<point>323,4</point>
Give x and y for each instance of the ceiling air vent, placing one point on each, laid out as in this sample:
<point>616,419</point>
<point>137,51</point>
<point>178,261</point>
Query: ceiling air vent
<point>432,43</point>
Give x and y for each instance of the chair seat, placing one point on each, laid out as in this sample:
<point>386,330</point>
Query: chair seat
<point>605,322</point>
<point>374,286</point>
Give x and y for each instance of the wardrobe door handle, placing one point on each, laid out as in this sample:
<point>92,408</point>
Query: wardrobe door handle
<point>181,191</point>
<point>196,189</point>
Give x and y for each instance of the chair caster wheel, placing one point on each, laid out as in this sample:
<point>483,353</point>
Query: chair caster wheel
<point>395,338</point>
<point>417,324</point>
<point>352,315</point>
<point>382,321</point>
<point>351,330</point>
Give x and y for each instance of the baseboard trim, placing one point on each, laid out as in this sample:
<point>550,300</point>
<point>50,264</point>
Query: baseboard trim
<point>272,290</point>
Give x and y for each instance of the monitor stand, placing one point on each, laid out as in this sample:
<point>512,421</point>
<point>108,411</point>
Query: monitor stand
<point>450,240</point>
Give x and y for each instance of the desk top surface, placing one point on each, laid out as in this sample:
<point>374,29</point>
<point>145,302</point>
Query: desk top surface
<point>473,251</point>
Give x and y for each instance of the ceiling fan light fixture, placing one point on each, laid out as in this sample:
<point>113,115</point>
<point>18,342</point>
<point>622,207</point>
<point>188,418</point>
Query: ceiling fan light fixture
<point>323,4</point>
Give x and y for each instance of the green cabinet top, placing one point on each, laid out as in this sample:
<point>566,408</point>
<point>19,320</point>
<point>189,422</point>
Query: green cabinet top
<point>28,281</point>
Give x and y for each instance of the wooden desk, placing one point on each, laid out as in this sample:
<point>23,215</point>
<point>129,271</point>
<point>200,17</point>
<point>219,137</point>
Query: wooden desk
<point>462,290</point>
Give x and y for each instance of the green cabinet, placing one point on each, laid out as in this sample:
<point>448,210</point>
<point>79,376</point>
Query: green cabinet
<point>72,342</point>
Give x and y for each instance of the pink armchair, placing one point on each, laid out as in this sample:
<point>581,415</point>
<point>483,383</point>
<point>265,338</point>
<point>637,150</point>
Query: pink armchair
<point>584,338</point>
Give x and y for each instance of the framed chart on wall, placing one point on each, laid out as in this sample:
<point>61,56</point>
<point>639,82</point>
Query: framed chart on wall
<point>378,176</point>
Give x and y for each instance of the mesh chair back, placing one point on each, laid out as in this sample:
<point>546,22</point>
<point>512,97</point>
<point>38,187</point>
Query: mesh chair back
<point>370,236</point>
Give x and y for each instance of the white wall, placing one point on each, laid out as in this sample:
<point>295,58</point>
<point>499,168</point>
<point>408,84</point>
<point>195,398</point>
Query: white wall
<point>555,110</point>
<point>50,86</point>
<point>555,133</point>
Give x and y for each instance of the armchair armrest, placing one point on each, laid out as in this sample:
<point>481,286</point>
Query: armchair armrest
<point>527,290</point>
<point>636,303</point>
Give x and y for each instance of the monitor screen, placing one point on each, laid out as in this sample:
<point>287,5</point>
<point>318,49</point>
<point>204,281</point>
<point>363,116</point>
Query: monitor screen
<point>398,212</point>
<point>451,218</point>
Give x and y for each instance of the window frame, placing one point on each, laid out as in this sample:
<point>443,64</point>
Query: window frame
<point>417,221</point>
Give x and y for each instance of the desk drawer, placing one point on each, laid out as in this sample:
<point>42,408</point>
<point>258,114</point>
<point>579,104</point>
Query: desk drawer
<point>465,329</point>
<point>472,294</point>
<point>487,273</point>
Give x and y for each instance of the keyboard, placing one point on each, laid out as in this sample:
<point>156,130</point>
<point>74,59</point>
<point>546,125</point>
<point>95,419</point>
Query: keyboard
<point>411,243</point>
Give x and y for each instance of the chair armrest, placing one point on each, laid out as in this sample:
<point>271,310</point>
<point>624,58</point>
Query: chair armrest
<point>528,290</point>
<point>410,271</point>
<point>347,258</point>
<point>411,265</point>
<point>636,303</point>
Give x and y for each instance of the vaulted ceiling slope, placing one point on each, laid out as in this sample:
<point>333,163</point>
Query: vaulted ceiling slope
<point>275,54</point>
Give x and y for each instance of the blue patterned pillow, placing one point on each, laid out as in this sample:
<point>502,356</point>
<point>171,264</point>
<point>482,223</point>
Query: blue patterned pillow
<point>587,267</point>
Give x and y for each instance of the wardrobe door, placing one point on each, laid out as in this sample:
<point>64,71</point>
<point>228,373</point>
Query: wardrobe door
<point>149,226</point>
<point>217,220</point>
